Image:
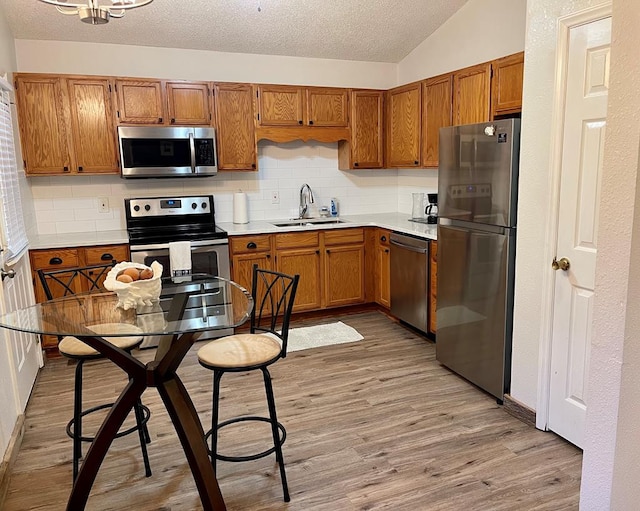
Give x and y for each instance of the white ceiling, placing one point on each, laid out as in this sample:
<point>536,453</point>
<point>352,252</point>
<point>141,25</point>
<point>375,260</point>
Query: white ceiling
<point>368,30</point>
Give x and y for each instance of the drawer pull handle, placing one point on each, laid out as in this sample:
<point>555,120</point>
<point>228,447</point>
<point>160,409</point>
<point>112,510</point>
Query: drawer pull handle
<point>251,244</point>
<point>107,257</point>
<point>55,260</point>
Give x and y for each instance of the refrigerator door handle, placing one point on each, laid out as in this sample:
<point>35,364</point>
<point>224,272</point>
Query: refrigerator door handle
<point>409,247</point>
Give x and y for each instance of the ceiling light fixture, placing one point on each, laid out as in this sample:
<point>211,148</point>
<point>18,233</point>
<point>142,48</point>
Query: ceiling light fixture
<point>90,11</point>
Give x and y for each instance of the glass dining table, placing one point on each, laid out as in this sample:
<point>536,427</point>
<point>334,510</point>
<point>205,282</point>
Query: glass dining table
<point>188,306</point>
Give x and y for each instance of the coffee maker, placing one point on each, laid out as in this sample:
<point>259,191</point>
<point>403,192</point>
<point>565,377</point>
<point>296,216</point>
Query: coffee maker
<point>432,208</point>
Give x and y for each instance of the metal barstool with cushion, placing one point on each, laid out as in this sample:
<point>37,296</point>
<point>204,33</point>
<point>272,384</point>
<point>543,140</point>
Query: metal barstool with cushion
<point>273,294</point>
<point>66,282</point>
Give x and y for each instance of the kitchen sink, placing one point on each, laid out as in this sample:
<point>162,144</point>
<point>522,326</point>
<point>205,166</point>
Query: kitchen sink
<point>308,221</point>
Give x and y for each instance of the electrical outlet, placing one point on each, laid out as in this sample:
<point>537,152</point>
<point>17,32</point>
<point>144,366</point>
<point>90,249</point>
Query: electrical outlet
<point>275,197</point>
<point>103,204</point>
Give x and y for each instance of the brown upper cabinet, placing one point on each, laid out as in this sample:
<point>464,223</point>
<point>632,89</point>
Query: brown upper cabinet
<point>472,94</point>
<point>404,109</point>
<point>280,105</point>
<point>236,129</point>
<point>140,101</point>
<point>188,103</point>
<point>92,126</point>
<point>66,124</point>
<point>437,113</point>
<point>506,85</point>
<point>364,149</point>
<point>285,105</point>
<point>327,107</point>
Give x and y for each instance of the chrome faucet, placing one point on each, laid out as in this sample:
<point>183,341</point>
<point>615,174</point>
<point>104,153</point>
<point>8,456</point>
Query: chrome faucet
<point>305,200</point>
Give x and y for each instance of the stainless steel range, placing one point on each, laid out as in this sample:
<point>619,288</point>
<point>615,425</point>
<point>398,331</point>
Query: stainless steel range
<point>154,222</point>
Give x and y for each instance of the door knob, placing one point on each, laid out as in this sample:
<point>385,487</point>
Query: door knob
<point>563,264</point>
<point>4,274</point>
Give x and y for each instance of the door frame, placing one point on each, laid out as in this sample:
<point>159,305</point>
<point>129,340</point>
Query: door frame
<point>565,24</point>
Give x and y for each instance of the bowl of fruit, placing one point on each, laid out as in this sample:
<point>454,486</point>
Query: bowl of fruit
<point>135,284</point>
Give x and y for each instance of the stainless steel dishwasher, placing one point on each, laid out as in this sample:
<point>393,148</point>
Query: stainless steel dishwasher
<point>409,277</point>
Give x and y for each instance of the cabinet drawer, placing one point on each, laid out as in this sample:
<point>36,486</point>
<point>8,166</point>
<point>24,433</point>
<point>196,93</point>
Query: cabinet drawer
<point>248,244</point>
<point>344,236</point>
<point>63,258</point>
<point>105,254</point>
<point>297,239</point>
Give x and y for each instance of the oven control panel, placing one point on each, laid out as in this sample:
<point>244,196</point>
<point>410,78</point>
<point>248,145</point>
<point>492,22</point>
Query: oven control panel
<point>169,206</point>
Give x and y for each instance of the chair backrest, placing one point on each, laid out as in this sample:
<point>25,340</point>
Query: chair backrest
<point>68,281</point>
<point>273,296</point>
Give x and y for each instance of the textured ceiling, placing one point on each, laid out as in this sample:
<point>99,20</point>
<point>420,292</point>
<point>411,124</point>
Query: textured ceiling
<point>369,30</point>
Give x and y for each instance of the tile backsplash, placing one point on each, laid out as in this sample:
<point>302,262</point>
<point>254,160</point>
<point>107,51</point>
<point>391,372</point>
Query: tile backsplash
<point>70,203</point>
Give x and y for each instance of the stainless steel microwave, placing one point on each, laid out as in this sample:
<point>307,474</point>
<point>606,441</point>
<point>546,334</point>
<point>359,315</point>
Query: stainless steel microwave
<point>163,151</point>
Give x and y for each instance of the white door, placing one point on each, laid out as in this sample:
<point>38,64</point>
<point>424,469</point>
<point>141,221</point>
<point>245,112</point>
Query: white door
<point>20,353</point>
<point>587,85</point>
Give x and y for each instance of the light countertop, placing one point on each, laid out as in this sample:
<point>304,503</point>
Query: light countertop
<point>393,221</point>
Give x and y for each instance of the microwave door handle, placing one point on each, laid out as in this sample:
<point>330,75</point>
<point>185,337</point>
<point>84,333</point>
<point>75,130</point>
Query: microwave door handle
<point>192,149</point>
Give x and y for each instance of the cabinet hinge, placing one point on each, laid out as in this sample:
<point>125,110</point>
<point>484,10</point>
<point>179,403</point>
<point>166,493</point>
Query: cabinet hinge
<point>115,87</point>
<point>109,87</point>
<point>15,85</point>
<point>210,117</point>
<point>257,94</point>
<point>258,116</point>
<point>208,91</point>
<point>118,113</point>
<point>24,163</point>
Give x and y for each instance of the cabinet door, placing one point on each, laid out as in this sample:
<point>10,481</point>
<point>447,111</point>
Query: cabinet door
<point>327,107</point>
<point>471,94</point>
<point>242,267</point>
<point>383,269</point>
<point>404,110</point>
<point>306,263</point>
<point>235,126</point>
<point>506,85</point>
<point>44,129</point>
<point>188,103</point>
<point>94,136</point>
<point>280,105</point>
<point>366,129</point>
<point>344,275</point>
<point>433,285</point>
<point>140,101</point>
<point>437,97</point>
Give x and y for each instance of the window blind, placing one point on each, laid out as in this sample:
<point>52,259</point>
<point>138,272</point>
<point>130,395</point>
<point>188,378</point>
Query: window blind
<point>14,235</point>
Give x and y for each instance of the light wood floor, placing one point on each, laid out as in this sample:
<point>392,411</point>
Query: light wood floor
<point>373,425</point>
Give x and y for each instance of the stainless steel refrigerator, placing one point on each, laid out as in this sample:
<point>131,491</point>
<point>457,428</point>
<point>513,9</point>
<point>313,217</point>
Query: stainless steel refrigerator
<point>477,194</point>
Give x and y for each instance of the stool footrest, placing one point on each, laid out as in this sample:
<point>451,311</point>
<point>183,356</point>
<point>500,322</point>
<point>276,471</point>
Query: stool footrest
<point>250,457</point>
<point>146,414</point>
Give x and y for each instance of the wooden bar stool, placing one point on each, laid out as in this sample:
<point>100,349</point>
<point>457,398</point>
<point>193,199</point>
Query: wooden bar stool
<point>67,282</point>
<point>273,294</point>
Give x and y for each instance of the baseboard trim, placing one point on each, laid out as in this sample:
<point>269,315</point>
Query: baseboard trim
<point>519,411</point>
<point>10,457</point>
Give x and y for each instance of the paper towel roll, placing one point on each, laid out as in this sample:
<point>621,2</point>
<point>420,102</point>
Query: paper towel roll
<point>240,208</point>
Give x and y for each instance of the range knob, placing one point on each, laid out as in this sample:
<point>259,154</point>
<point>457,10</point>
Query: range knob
<point>194,205</point>
<point>204,205</point>
<point>147,207</point>
<point>136,208</point>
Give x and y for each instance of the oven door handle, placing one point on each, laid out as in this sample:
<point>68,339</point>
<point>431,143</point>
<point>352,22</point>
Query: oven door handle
<point>192,149</point>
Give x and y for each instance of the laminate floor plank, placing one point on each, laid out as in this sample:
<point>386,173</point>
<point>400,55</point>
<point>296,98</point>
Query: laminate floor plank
<point>373,425</point>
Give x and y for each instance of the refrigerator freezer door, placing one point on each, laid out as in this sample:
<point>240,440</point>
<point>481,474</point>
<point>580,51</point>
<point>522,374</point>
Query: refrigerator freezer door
<point>475,274</point>
<point>477,178</point>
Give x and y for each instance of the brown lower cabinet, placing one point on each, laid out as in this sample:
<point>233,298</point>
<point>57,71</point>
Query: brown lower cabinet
<point>331,264</point>
<point>72,257</point>
<point>433,284</point>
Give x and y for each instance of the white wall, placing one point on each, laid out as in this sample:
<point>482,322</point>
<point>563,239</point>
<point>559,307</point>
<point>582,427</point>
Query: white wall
<point>146,61</point>
<point>480,31</point>
<point>535,189</point>
<point>611,450</point>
